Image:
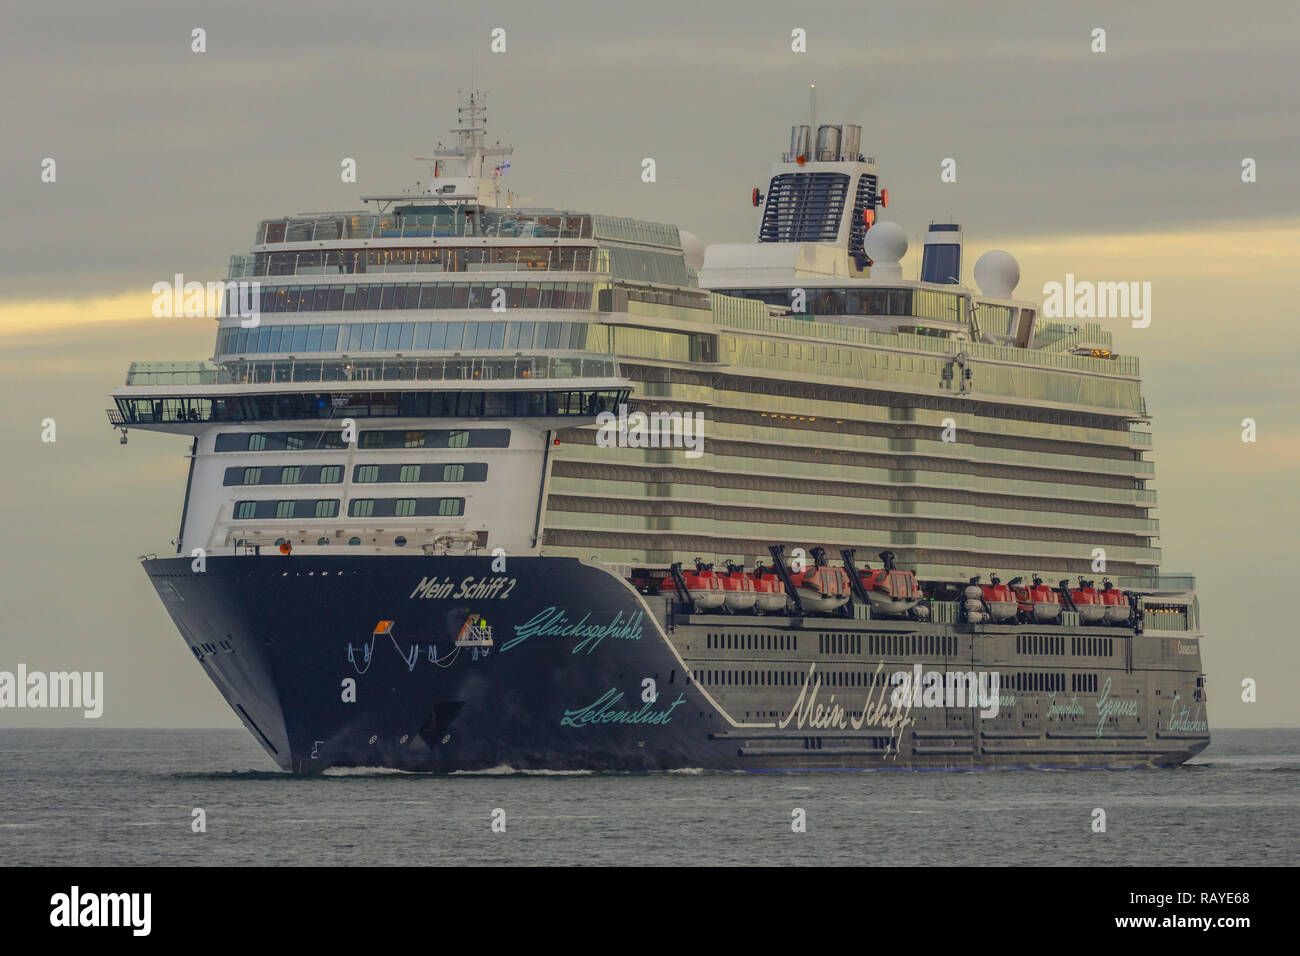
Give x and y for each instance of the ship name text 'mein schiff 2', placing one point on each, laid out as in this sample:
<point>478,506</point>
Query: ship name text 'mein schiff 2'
<point>479,486</point>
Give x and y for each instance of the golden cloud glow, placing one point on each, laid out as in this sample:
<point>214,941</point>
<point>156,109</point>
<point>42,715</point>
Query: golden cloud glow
<point>44,315</point>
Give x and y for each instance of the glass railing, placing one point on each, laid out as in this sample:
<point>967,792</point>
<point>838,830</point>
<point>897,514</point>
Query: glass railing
<point>1160,582</point>
<point>444,221</point>
<point>415,259</point>
<point>752,315</point>
<point>523,368</point>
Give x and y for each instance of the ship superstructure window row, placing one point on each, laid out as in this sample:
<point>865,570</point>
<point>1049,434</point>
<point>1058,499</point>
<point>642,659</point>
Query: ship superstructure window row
<point>430,221</point>
<point>338,297</point>
<point>405,507</point>
<point>295,508</point>
<point>382,474</point>
<point>289,407</point>
<point>402,336</point>
<point>427,438</point>
<point>333,474</point>
<point>915,303</point>
<point>415,259</point>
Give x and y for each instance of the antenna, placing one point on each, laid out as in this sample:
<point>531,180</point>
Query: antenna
<point>812,117</point>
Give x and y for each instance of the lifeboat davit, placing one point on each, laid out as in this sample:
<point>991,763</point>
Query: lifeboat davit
<point>704,587</point>
<point>1115,602</point>
<point>1088,603</point>
<point>769,590</point>
<point>739,593</point>
<point>891,592</point>
<point>1001,601</point>
<point>1037,601</point>
<point>822,589</point>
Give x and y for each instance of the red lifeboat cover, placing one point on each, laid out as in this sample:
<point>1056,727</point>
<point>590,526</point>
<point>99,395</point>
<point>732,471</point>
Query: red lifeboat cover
<point>738,581</point>
<point>897,584</point>
<point>825,581</point>
<point>997,594</point>
<point>1113,597</point>
<point>1036,594</point>
<point>700,580</point>
<point>1085,594</point>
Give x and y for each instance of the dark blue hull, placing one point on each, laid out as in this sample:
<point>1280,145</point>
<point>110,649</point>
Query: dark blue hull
<point>563,688</point>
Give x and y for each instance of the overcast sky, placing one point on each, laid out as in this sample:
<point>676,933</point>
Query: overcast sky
<point>1123,165</point>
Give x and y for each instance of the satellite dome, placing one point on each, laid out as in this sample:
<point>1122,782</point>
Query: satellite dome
<point>997,273</point>
<point>692,249</point>
<point>885,242</point>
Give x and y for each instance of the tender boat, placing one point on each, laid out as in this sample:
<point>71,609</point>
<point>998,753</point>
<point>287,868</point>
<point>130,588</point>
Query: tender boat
<point>892,592</point>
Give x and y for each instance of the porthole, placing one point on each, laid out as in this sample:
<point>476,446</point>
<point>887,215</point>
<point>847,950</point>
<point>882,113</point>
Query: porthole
<point>322,541</point>
<point>400,541</point>
<point>354,540</point>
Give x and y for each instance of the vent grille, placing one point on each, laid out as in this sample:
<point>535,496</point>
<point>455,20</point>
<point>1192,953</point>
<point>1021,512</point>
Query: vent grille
<point>804,207</point>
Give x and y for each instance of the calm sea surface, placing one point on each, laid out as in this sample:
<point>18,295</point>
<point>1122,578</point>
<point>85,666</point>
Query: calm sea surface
<point>109,797</point>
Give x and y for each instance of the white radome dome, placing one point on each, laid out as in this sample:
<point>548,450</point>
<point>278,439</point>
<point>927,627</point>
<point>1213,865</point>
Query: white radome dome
<point>885,243</point>
<point>997,273</point>
<point>693,250</point>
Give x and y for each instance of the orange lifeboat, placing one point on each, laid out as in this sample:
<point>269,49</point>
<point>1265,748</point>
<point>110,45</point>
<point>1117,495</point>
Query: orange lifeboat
<point>768,589</point>
<point>891,592</point>
<point>1115,602</point>
<point>1002,604</point>
<point>1087,602</point>
<point>1037,601</point>
<point>704,587</point>
<point>822,588</point>
<point>738,589</point>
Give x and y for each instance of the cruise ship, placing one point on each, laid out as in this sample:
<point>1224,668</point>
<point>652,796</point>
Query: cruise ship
<point>475,486</point>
